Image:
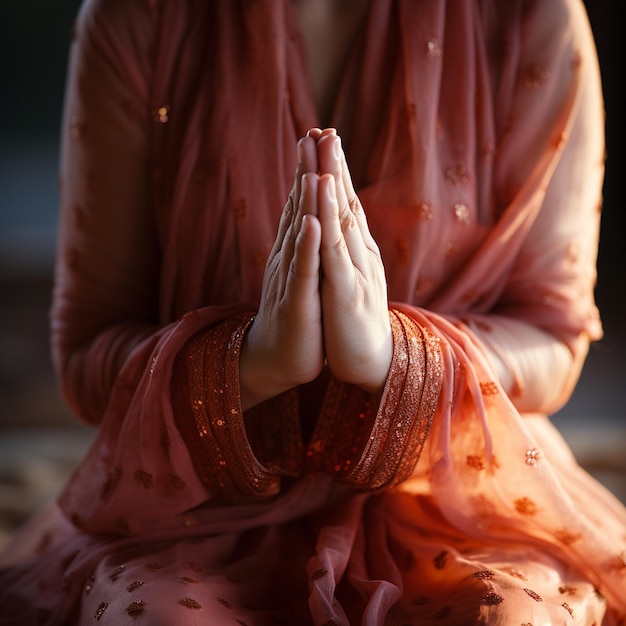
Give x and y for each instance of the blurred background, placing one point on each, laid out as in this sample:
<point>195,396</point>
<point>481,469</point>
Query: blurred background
<point>40,442</point>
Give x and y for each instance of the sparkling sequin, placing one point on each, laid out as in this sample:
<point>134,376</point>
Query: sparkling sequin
<point>568,608</point>
<point>89,585</point>
<point>567,590</point>
<point>462,213</point>
<point>162,114</point>
<point>433,49</point>
<point>190,603</point>
<point>136,608</point>
<point>186,579</point>
<point>533,456</point>
<point>440,560</point>
<point>134,585</point>
<point>492,598</point>
<point>225,603</point>
<point>533,594</point>
<point>117,573</point>
<point>525,506</point>
<point>483,574</point>
<point>102,607</point>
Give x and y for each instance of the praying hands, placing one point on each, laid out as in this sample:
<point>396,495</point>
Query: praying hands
<point>324,297</point>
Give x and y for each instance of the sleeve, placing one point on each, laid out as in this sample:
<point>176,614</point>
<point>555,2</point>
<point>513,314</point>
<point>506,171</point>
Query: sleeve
<point>526,350</point>
<point>538,334</point>
<point>119,365</point>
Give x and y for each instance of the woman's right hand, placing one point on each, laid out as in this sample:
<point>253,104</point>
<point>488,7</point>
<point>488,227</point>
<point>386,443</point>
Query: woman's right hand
<point>283,347</point>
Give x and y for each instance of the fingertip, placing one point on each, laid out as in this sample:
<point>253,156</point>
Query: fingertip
<point>314,133</point>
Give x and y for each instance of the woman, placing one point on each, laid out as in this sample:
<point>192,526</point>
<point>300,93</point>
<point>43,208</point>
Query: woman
<point>344,422</point>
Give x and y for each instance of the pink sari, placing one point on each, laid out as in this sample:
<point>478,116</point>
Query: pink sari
<point>476,146</point>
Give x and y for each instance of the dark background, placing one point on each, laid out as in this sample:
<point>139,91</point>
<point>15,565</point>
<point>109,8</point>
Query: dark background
<point>36,431</point>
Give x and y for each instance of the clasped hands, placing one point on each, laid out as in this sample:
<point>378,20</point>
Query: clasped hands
<point>324,297</point>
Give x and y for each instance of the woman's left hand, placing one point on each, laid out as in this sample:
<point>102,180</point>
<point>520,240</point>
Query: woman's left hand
<point>357,332</point>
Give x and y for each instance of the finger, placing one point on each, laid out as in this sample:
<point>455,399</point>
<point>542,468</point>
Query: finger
<point>333,160</point>
<point>307,162</point>
<point>302,285</point>
<point>306,205</point>
<point>335,258</point>
<point>315,133</point>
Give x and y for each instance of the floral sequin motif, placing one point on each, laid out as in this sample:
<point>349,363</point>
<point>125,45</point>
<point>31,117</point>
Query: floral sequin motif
<point>525,506</point>
<point>136,608</point>
<point>190,603</point>
<point>533,456</point>
<point>474,461</point>
<point>484,574</point>
<point>225,603</point>
<point>433,49</point>
<point>535,76</point>
<point>533,594</point>
<point>567,590</point>
<point>456,175</point>
<point>489,388</point>
<point>568,608</point>
<point>144,479</point>
<point>102,607</point>
<point>424,211</point>
<point>462,213</point>
<point>492,598</point>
